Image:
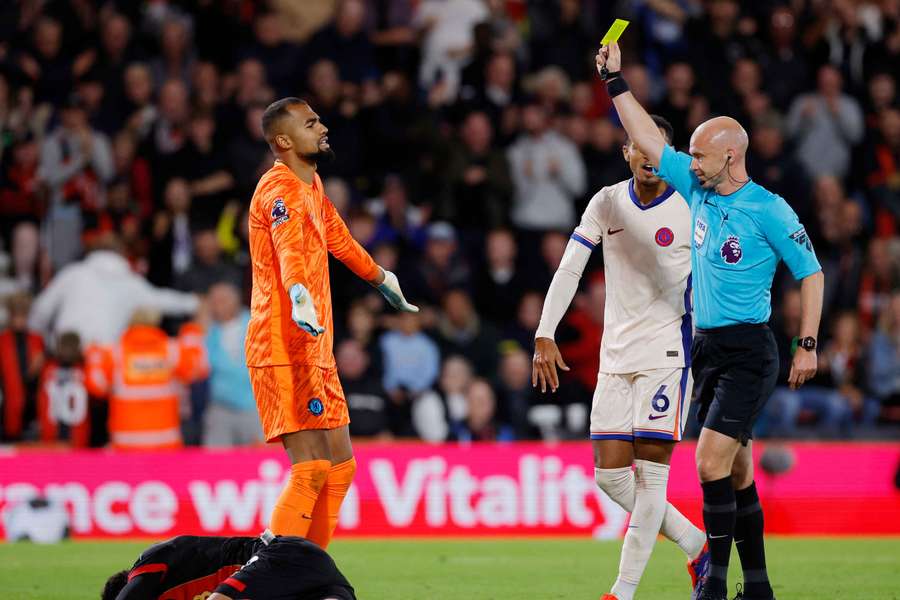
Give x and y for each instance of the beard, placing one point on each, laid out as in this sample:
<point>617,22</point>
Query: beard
<point>319,157</point>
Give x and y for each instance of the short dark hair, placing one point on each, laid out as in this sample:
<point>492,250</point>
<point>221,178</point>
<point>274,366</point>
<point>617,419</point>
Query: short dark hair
<point>114,585</point>
<point>275,111</point>
<point>663,124</point>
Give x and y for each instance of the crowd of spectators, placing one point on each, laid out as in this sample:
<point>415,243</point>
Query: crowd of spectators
<point>469,136</point>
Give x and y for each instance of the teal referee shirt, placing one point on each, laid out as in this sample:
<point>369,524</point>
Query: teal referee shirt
<point>738,241</point>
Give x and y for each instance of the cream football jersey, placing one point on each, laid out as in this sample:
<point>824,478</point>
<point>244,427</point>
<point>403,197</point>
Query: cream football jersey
<point>647,263</point>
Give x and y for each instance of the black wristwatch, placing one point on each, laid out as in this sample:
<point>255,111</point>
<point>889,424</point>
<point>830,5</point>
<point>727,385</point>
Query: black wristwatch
<point>807,343</point>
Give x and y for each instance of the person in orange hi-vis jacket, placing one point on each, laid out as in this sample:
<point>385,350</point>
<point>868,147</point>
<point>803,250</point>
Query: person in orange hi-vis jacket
<point>293,227</point>
<point>143,375</point>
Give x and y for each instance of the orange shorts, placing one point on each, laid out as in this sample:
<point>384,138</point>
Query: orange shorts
<point>298,397</point>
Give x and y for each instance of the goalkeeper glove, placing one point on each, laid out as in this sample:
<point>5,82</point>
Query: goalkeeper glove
<point>390,289</point>
<point>303,312</point>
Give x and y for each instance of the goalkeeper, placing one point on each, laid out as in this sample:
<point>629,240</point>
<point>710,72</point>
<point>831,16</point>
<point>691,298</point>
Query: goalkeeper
<point>293,228</point>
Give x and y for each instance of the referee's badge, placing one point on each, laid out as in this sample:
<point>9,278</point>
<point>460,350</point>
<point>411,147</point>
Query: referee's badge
<point>699,233</point>
<point>731,250</point>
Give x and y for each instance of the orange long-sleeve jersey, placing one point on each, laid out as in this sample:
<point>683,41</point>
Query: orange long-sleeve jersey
<point>293,227</point>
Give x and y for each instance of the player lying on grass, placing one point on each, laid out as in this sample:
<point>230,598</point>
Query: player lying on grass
<point>644,385</point>
<point>267,567</point>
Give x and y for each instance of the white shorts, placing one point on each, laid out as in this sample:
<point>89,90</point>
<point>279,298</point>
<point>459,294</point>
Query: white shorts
<point>647,404</point>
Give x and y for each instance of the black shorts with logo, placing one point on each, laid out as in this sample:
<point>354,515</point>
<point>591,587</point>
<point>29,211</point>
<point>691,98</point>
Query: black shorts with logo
<point>288,568</point>
<point>735,369</point>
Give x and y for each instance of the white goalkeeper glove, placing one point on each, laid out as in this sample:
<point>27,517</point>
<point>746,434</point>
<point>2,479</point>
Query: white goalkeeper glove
<point>390,289</point>
<point>303,312</point>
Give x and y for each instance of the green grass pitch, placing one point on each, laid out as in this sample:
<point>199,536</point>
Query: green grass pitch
<point>509,569</point>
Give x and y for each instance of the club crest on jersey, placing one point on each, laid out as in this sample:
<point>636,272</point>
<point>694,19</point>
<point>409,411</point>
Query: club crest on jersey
<point>279,212</point>
<point>664,236</point>
<point>316,407</point>
<point>731,250</point>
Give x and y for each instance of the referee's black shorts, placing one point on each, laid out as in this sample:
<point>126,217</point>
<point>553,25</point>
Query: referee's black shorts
<point>735,369</point>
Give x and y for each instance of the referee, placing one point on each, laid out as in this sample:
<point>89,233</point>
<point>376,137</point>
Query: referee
<point>740,232</point>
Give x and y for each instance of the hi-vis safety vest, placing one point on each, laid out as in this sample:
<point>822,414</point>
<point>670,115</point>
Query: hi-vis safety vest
<point>143,375</point>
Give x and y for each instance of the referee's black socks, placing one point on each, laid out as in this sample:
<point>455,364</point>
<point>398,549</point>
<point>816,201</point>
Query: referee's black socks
<point>718,516</point>
<point>748,537</point>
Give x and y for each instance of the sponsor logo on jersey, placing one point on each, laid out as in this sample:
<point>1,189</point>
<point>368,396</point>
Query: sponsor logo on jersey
<point>316,407</point>
<point>731,250</point>
<point>610,231</point>
<point>802,239</point>
<point>279,212</point>
<point>664,236</point>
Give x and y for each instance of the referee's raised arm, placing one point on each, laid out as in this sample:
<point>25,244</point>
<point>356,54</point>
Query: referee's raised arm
<point>637,122</point>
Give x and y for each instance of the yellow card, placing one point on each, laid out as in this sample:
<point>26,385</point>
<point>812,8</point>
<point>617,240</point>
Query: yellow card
<point>615,32</point>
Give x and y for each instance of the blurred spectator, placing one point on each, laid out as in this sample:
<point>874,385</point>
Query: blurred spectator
<point>883,165</point>
<point>284,61</point>
<point>447,27</point>
<point>840,225</point>
<point>367,401</point>
<point>514,390</point>
<point>231,418</point>
<point>134,172</point>
<point>884,360</point>
<point>835,394</point>
<point>548,175</point>
<point>846,40</point>
<point>463,332</point>
<point>411,358</point>
<point>481,423</point>
<point>143,377</point>
<point>442,267</point>
<point>717,42</point>
<point>165,142</point>
<point>501,281</point>
<point>64,413</point>
<point>76,163</point>
<point>786,70</point>
<point>477,186</point>
<point>498,91</point>
<point>21,361</point>
<point>25,250</point>
<point>662,23</point>
<point>397,221</point>
<point>97,296</point>
<point>21,194</point>
<point>206,169</point>
<point>339,111</point>
<point>528,315</point>
<point>248,153</point>
<point>171,251</point>
<point>826,125</point>
<point>344,42</point>
<point>208,267</point>
<point>675,105</point>
<point>139,113</point>
<point>603,159</point>
<point>881,277</point>
<point>562,36</point>
<point>776,169</point>
<point>456,375</point>
<point>116,51</point>
<point>176,51</point>
<point>46,65</point>
<point>581,333</point>
<point>362,328</point>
